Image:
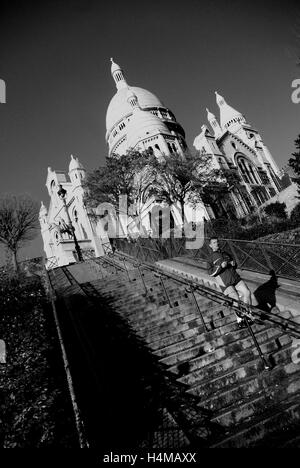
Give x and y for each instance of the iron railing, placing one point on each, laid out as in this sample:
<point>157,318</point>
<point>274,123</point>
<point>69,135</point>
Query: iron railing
<point>262,257</point>
<point>152,250</point>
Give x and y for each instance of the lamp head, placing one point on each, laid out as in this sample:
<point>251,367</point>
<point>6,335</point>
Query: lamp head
<point>61,192</point>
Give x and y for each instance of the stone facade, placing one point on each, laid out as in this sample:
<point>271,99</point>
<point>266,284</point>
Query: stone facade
<point>137,119</point>
<point>58,243</point>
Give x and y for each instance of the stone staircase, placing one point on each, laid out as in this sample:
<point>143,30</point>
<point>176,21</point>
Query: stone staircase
<point>223,395</point>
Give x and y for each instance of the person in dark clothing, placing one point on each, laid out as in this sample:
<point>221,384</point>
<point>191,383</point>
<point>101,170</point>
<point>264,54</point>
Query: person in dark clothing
<point>221,265</point>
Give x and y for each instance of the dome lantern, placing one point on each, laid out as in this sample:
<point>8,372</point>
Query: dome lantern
<point>118,76</point>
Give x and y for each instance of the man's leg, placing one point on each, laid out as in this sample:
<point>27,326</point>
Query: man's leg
<point>232,292</point>
<point>245,292</point>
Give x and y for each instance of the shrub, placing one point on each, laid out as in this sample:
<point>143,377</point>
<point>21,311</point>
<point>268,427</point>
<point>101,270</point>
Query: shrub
<point>277,210</point>
<point>35,408</point>
<point>295,214</point>
<point>249,230</point>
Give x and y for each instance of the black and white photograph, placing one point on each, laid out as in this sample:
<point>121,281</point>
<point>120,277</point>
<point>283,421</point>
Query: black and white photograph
<point>149,228</point>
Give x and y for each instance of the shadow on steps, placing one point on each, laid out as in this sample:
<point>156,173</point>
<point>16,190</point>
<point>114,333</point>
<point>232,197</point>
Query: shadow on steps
<point>125,395</point>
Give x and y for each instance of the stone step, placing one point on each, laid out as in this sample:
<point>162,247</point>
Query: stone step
<point>232,370</point>
<point>244,388</point>
<point>163,324</point>
<point>166,333</point>
<point>192,331</point>
<point>220,352</point>
<point>213,338</point>
<point>192,322</point>
<point>272,420</point>
<point>255,401</point>
<point>195,323</point>
<point>173,292</point>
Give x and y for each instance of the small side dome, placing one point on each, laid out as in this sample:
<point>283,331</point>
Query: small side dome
<point>75,164</point>
<point>230,118</point>
<point>210,115</point>
<point>131,98</point>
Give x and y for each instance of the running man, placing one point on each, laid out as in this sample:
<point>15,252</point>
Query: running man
<point>222,266</point>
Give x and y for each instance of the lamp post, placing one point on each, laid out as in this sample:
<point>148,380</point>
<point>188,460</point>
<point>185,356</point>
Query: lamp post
<point>62,195</point>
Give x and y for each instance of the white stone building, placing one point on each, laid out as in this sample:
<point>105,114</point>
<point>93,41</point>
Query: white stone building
<point>59,245</point>
<point>237,146</point>
<point>137,119</point>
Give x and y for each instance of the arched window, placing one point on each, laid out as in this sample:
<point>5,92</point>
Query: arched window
<point>157,147</point>
<point>254,174</point>
<point>243,171</point>
<point>248,171</point>
<point>170,148</point>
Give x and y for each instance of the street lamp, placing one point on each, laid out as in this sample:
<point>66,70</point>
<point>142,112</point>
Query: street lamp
<point>62,195</point>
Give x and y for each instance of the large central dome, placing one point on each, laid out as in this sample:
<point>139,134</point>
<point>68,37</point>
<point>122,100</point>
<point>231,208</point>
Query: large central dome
<point>119,107</point>
<point>122,124</point>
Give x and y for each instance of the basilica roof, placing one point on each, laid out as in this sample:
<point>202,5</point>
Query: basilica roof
<point>119,108</point>
<point>143,124</point>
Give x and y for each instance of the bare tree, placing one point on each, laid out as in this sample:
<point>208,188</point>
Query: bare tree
<point>18,223</point>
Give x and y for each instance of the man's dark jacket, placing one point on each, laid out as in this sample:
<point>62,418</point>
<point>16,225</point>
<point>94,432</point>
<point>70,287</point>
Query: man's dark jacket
<point>227,276</point>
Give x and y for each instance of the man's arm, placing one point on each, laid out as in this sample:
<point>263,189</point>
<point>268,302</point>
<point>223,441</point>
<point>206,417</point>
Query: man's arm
<point>230,259</point>
<point>213,267</point>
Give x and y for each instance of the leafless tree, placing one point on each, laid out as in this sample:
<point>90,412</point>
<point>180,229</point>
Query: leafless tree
<point>18,223</point>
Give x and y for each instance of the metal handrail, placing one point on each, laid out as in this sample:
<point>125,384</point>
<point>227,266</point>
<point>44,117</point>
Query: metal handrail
<point>262,257</point>
<point>286,325</point>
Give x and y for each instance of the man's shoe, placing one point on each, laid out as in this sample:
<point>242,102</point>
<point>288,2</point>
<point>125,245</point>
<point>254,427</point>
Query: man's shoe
<point>242,324</point>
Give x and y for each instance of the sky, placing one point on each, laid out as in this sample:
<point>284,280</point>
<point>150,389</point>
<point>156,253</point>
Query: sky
<point>55,60</point>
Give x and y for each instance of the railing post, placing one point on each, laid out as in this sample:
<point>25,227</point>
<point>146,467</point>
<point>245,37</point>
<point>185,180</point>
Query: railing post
<point>244,316</point>
<point>165,290</point>
<point>124,258</point>
<point>192,291</point>
<point>141,275</point>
